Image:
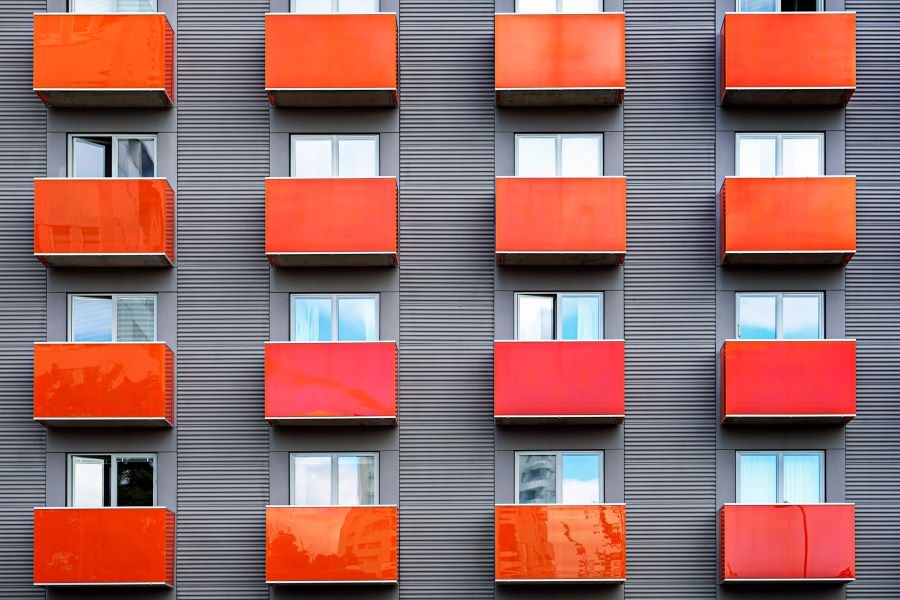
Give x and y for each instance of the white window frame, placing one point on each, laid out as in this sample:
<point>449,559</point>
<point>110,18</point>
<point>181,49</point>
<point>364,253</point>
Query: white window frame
<point>335,8</point>
<point>779,148</point>
<point>113,475</point>
<point>71,4</point>
<point>559,138</point>
<point>334,311</point>
<point>559,471</point>
<point>779,310</point>
<point>70,326</point>
<point>779,471</point>
<point>333,457</point>
<point>557,321</point>
<point>820,7</point>
<point>114,137</point>
<point>559,4</point>
<point>335,153</point>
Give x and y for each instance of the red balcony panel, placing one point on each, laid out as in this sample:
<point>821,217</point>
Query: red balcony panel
<point>789,58</point>
<point>347,59</point>
<point>331,222</point>
<point>788,220</point>
<point>104,547</point>
<point>559,59</point>
<point>560,221</point>
<point>559,543</point>
<point>104,60</point>
<point>331,383</point>
<point>788,542</point>
<point>104,222</point>
<point>789,380</point>
<point>104,385</point>
<point>331,544</point>
<point>559,382</point>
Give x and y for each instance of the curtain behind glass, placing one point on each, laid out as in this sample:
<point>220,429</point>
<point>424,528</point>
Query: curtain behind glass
<point>137,5</point>
<point>357,158</point>
<point>312,480</point>
<point>312,158</point>
<point>801,478</point>
<point>357,319</point>
<point>537,479</point>
<point>534,317</point>
<point>536,6</point>
<point>536,156</point>
<point>134,481</point>
<point>90,481</point>
<point>137,158</point>
<point>758,478</point>
<point>311,7</point>
<point>312,319</point>
<point>136,319</point>
<point>581,156</point>
<point>757,156</point>
<point>358,6</point>
<point>356,480</point>
<point>757,5</point>
<point>92,319</point>
<point>800,156</point>
<point>93,6</point>
<point>580,317</point>
<point>582,6</point>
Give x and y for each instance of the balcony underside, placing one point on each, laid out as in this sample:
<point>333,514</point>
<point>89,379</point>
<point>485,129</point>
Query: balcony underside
<point>538,258</point>
<point>799,581</point>
<point>105,260</point>
<point>341,583</point>
<point>559,419</point>
<point>104,422</point>
<point>109,98</point>
<point>559,581</point>
<point>787,96</point>
<point>776,258</point>
<point>338,98</point>
<point>385,421</point>
<point>337,259</point>
<point>512,98</point>
<point>787,420</point>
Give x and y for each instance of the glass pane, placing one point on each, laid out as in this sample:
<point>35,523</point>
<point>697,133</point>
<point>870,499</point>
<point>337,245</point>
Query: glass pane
<point>581,157</point>
<point>581,6</point>
<point>90,481</point>
<point>537,479</point>
<point>92,157</point>
<point>536,156</point>
<point>756,156</point>
<point>356,480</point>
<point>357,319</point>
<point>136,319</point>
<point>137,6</point>
<point>801,317</point>
<point>312,158</point>
<point>757,478</point>
<point>358,6</point>
<point>801,157</point>
<point>134,485</point>
<point>311,6</point>
<point>534,318</point>
<point>757,5</point>
<point>799,5</point>
<point>357,158</point>
<point>137,158</point>
<point>536,6</point>
<point>312,480</point>
<point>93,6</point>
<point>92,319</point>
<point>312,319</point>
<point>756,317</point>
<point>801,479</point>
<point>580,317</point>
<point>581,476</point>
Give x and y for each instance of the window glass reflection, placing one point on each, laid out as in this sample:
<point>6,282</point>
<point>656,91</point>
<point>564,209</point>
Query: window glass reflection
<point>757,5</point>
<point>90,481</point>
<point>357,319</point>
<point>93,6</point>
<point>357,158</point>
<point>802,484</point>
<point>536,156</point>
<point>537,479</point>
<point>757,317</point>
<point>312,319</point>
<point>535,318</point>
<point>801,316</point>
<point>580,156</point>
<point>312,158</point>
<point>312,480</point>
<point>800,156</point>
<point>581,477</point>
<point>136,157</point>
<point>582,6</point>
<point>92,319</point>
<point>757,477</point>
<point>358,6</point>
<point>356,480</point>
<point>580,315</point>
<point>311,6</point>
<point>135,319</point>
<point>137,6</point>
<point>757,156</point>
<point>134,485</point>
<point>536,6</point>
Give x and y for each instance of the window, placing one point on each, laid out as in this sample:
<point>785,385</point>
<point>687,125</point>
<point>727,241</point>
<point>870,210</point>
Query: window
<point>567,155</point>
<point>559,6</point>
<point>779,5</point>
<point>559,477</point>
<point>98,480</point>
<point>780,477</point>
<point>776,316</point>
<point>320,156</point>
<point>780,154</point>
<point>114,318</point>
<point>334,479</point>
<point>559,316</point>
<point>312,7</point>
<point>98,156</point>
<point>110,6</point>
<point>343,318</point>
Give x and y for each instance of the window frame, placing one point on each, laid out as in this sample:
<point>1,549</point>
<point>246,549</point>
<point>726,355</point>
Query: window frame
<point>559,4</point>
<point>70,4</point>
<point>114,138</point>
<point>70,325</point>
<point>779,148</point>
<point>335,483</point>
<point>335,298</point>
<point>335,9</point>
<point>557,321</point>
<point>559,140</point>
<point>779,472</point>
<point>779,312</point>
<point>113,478</point>
<point>559,472</point>
<point>820,7</point>
<point>335,152</point>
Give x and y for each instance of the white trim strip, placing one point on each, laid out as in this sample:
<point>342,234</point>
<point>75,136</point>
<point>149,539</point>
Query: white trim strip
<point>789,416</point>
<point>788,341</point>
<point>330,14</point>
<point>165,508</point>
<point>335,582</point>
<point>561,89</point>
<point>586,416</point>
<point>568,505</point>
<point>332,178</point>
<point>728,252</point>
<point>557,178</point>
<point>774,505</point>
<point>574,581</point>
<point>331,506</point>
<point>348,89</point>
<point>107,584</point>
<point>566,252</point>
<point>335,342</point>
<point>797,580</point>
<point>798,88</point>
<point>561,341</point>
<point>556,14</point>
<point>109,89</point>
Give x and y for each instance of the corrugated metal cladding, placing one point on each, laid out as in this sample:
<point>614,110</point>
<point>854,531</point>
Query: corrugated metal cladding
<point>670,309</point>
<point>873,300</point>
<point>23,306</point>
<point>446,299</point>
<point>223,300</point>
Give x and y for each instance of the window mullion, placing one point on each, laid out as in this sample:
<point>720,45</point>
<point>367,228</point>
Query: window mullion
<point>335,159</point>
<point>114,334</point>
<point>559,156</point>
<point>114,152</point>
<point>334,318</point>
<point>779,478</point>
<point>113,479</point>
<point>334,479</point>
<point>559,478</point>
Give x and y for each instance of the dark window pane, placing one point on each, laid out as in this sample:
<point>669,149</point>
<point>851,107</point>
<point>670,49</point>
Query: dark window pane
<point>799,5</point>
<point>135,481</point>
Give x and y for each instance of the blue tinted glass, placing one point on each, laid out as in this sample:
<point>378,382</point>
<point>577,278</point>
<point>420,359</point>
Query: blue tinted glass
<point>357,320</point>
<point>801,479</point>
<point>756,317</point>
<point>757,5</point>
<point>312,319</point>
<point>580,317</point>
<point>581,479</point>
<point>801,317</point>
<point>757,477</point>
<point>92,319</point>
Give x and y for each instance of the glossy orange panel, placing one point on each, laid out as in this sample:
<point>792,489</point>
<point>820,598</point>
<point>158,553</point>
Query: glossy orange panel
<point>553,51</point>
<point>331,380</point>
<point>560,543</point>
<point>559,378</point>
<point>99,382</point>
<point>788,542</point>
<point>104,546</point>
<point>104,52</point>
<point>789,378</point>
<point>306,544</point>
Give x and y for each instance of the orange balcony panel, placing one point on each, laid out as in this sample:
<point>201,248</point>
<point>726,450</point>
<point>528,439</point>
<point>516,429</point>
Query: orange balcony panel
<point>331,383</point>
<point>94,385</point>
<point>559,382</point>
<point>559,59</point>
<point>347,59</point>
<point>104,60</point>
<point>104,222</point>
<point>560,221</point>
<point>788,542</point>
<point>104,547</point>
<point>331,544</point>
<point>789,380</point>
<point>788,58</point>
<point>788,220</point>
<point>559,543</point>
<point>331,222</point>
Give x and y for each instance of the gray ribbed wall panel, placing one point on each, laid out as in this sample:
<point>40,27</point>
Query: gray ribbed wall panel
<point>670,311</point>
<point>223,307</point>
<point>873,301</point>
<point>446,299</point>
<point>23,150</point>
